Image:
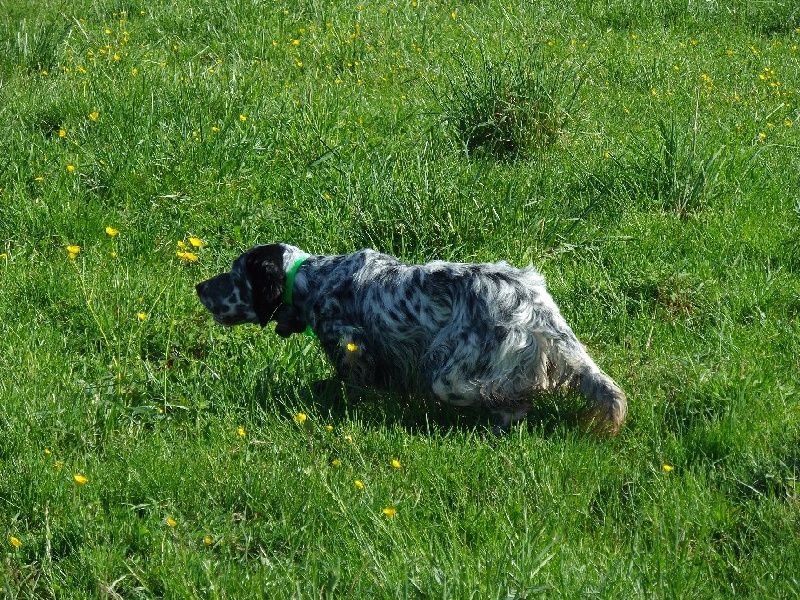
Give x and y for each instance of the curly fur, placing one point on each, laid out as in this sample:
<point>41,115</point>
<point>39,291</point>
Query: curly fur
<point>467,334</point>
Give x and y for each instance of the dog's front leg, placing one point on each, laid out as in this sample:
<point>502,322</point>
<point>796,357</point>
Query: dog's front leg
<point>348,349</point>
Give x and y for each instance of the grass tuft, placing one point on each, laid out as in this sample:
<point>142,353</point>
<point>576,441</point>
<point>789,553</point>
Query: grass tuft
<point>511,107</point>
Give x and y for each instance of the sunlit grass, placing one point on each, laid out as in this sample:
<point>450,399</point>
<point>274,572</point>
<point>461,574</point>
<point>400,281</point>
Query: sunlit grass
<point>643,157</point>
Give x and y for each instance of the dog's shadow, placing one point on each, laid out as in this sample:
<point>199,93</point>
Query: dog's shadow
<point>339,402</point>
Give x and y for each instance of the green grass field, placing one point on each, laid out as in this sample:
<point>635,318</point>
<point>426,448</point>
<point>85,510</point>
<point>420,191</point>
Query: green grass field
<point>643,155</point>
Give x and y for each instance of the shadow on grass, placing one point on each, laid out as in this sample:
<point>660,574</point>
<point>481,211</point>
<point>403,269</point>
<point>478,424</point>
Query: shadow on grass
<point>550,415</point>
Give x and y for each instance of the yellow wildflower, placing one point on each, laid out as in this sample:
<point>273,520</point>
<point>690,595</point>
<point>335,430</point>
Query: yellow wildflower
<point>47,452</point>
<point>390,512</point>
<point>196,242</point>
<point>116,56</point>
<point>762,136</point>
<point>300,418</point>
<point>14,541</point>
<point>358,484</point>
<point>453,15</point>
<point>73,251</point>
<point>667,468</point>
<point>336,462</point>
<point>94,115</point>
<point>187,257</point>
<point>241,431</point>
<point>208,540</point>
<point>351,347</point>
<point>243,118</point>
<point>112,232</point>
<point>181,244</point>
<point>134,72</point>
<point>328,427</point>
<point>295,42</point>
<point>396,464</point>
<point>787,123</point>
<point>62,133</point>
<point>170,522</point>
<point>70,168</point>
<point>80,479</point>
<point>141,316</point>
<point>215,129</point>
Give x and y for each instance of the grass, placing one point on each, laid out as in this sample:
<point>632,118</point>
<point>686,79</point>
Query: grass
<point>653,180</point>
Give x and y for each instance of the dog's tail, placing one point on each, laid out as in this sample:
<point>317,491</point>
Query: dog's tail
<point>608,404</point>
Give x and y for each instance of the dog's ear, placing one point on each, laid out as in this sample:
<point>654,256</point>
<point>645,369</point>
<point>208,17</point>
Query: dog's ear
<point>264,270</point>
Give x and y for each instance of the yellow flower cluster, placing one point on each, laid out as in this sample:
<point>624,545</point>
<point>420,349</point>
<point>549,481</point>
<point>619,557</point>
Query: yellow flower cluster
<point>185,254</point>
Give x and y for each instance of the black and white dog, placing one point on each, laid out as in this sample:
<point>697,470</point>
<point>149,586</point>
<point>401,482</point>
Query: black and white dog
<point>467,334</point>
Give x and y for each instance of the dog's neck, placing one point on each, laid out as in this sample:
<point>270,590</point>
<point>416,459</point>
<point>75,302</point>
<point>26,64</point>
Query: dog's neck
<point>290,255</point>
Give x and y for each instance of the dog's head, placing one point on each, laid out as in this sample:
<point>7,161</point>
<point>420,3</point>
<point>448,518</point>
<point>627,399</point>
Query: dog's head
<point>252,292</point>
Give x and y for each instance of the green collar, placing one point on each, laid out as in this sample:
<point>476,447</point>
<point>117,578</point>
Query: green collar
<point>288,291</point>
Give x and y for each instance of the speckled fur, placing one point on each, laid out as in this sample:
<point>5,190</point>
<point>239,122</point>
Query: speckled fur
<point>467,334</point>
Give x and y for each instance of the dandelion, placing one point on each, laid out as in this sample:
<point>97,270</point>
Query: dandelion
<point>396,464</point>
<point>187,257</point>
<point>196,242</point>
<point>389,512</point>
<point>351,347</point>
<point>141,316</point>
<point>300,418</point>
<point>241,431</point>
<point>47,452</point>
<point>215,129</point>
<point>243,118</point>
<point>298,63</point>
<point>208,540</point>
<point>70,168</point>
<point>336,463</point>
<point>762,136</point>
<point>295,42</point>
<point>170,522</point>
<point>111,231</point>
<point>453,15</point>
<point>94,115</point>
<point>80,479</point>
<point>358,484</point>
<point>667,468</point>
<point>328,428</point>
<point>134,72</point>
<point>14,541</point>
<point>706,78</point>
<point>73,251</point>
<point>107,31</point>
<point>788,123</point>
<point>62,133</point>
<point>181,244</point>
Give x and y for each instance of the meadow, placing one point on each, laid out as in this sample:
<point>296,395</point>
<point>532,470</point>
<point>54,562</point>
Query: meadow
<point>644,156</point>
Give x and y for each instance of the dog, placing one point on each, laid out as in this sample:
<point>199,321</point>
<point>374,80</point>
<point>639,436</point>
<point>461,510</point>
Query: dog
<point>486,335</point>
